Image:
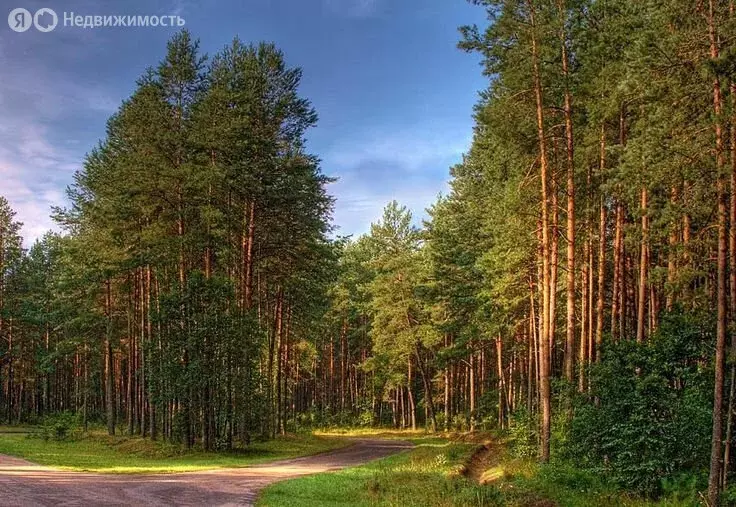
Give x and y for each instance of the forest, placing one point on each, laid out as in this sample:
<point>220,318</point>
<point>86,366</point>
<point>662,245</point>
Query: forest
<point>575,288</point>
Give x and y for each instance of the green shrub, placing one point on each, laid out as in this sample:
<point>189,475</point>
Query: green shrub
<point>647,418</point>
<point>59,427</point>
<point>459,422</point>
<point>523,433</point>
<point>365,419</point>
<point>568,477</point>
<point>685,488</point>
<point>729,495</point>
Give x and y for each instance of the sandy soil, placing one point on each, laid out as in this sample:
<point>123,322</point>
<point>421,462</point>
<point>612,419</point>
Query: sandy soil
<point>25,484</point>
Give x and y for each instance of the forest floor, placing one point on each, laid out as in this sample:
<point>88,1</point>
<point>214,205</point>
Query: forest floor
<point>24,483</point>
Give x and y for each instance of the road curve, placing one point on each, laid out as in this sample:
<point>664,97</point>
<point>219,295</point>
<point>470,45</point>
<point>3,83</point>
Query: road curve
<point>25,484</point>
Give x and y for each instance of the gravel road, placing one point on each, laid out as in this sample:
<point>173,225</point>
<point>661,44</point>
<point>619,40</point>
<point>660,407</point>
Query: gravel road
<point>25,484</point>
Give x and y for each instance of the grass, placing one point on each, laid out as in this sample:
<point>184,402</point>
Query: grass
<point>98,452</point>
<point>13,430</point>
<point>429,474</point>
<point>417,437</point>
<point>524,482</point>
<point>434,473</point>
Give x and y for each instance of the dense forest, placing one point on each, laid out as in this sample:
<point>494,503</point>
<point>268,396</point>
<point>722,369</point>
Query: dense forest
<point>575,289</point>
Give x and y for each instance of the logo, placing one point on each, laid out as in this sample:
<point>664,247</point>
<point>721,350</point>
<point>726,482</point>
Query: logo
<point>45,19</point>
<point>21,19</point>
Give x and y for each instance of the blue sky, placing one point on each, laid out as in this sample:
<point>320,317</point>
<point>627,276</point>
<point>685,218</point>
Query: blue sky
<point>393,93</point>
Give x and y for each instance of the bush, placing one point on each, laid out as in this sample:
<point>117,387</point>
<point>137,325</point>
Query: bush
<point>365,418</point>
<point>729,495</point>
<point>685,489</point>
<point>459,422</point>
<point>486,414</point>
<point>523,433</point>
<point>59,427</point>
<point>647,418</point>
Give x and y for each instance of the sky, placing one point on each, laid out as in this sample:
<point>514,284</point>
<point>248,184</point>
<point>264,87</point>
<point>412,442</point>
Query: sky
<point>394,94</point>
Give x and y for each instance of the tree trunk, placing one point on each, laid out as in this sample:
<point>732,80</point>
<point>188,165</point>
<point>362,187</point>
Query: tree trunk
<point>410,394</point>
<point>248,257</point>
<point>714,478</point>
<point>570,159</point>
<point>448,388</point>
<point>501,382</point>
<point>554,270</point>
<point>471,387</point>
<point>109,374</point>
<point>545,392</point>
<point>601,250</point>
<point>429,402</point>
<point>732,282</point>
<point>643,265</point>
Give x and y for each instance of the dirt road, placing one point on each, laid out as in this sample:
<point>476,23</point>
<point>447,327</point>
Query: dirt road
<point>26,484</point>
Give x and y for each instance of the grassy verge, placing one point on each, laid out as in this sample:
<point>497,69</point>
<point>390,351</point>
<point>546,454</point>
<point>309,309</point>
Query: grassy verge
<point>525,483</point>
<point>429,474</point>
<point>98,452</point>
<point>434,473</point>
<point>14,430</point>
<point>417,437</point>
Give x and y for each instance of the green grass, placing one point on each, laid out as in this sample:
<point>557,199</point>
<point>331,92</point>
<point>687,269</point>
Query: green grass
<point>4,429</point>
<point>431,475</point>
<point>425,475</point>
<point>524,482</point>
<point>98,452</point>
<point>428,475</point>
<point>417,437</point>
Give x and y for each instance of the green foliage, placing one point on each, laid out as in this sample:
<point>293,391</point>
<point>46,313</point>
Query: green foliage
<point>196,223</point>
<point>647,417</point>
<point>469,494</point>
<point>198,248</point>
<point>425,475</point>
<point>729,495</point>
<point>428,475</point>
<point>60,427</point>
<point>523,433</point>
<point>686,488</point>
<point>559,484</point>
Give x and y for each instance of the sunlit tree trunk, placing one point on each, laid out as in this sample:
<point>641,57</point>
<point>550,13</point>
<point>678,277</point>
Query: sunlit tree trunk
<point>601,252</point>
<point>714,478</point>
<point>643,266</point>
<point>544,388</point>
<point>109,374</point>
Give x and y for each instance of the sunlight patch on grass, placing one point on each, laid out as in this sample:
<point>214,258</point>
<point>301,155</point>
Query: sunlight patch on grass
<point>98,452</point>
<point>419,436</point>
<point>434,474</point>
<point>492,475</point>
<point>419,477</point>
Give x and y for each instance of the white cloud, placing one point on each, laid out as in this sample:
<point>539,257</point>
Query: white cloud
<point>411,166</point>
<point>353,8</point>
<point>31,202</point>
<point>414,149</point>
<point>40,101</point>
<point>32,178</point>
<point>359,204</point>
